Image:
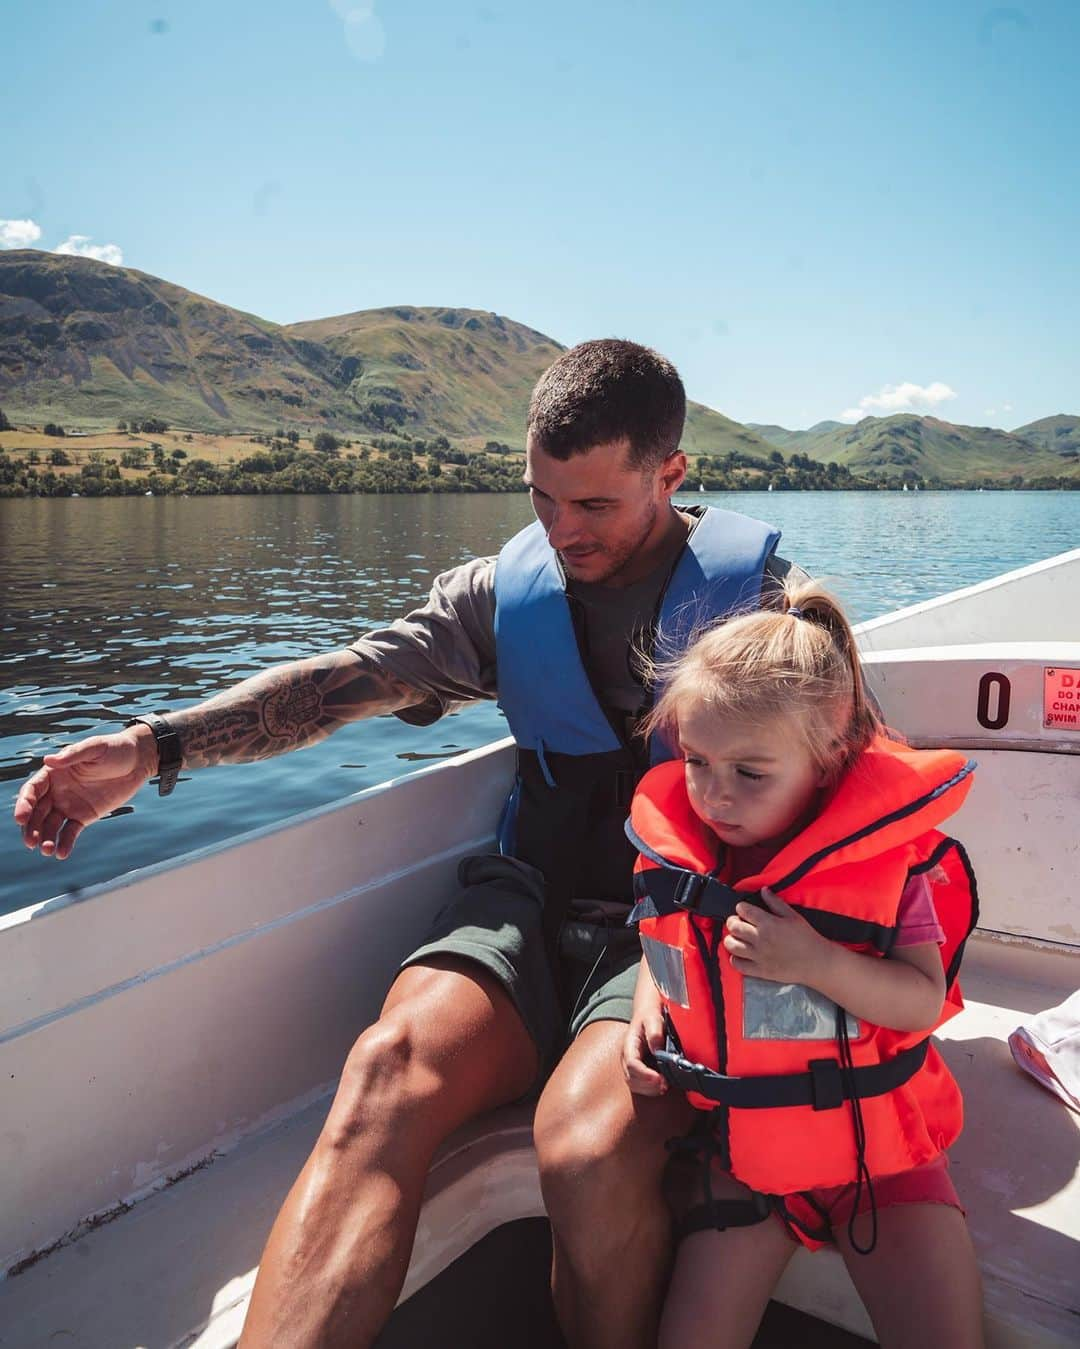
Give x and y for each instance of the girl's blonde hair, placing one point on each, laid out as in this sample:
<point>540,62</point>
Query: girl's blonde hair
<point>799,661</point>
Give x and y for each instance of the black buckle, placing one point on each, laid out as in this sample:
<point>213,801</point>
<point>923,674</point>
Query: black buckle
<point>688,890</point>
<point>680,1071</point>
<point>827,1084</point>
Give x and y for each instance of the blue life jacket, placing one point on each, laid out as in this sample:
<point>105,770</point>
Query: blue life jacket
<point>576,767</point>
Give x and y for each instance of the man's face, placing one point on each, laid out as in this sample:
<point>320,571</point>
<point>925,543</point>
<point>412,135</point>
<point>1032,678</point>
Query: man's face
<point>606,519</point>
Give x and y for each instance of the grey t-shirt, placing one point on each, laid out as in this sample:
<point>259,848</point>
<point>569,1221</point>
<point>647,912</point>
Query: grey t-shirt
<point>446,648</point>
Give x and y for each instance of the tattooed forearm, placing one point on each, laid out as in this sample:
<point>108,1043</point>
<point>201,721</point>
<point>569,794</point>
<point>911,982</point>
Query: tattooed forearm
<point>286,708</point>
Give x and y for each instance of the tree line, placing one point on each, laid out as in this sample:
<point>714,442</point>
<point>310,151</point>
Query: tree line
<point>403,463</point>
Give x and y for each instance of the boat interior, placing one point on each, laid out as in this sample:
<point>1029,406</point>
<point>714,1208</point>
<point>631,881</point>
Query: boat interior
<point>169,1043</point>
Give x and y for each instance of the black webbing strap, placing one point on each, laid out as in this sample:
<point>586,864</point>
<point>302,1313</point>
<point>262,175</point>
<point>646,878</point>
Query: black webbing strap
<point>701,1147</point>
<point>824,1087</point>
<point>665,890</point>
<point>722,1214</point>
<point>671,890</point>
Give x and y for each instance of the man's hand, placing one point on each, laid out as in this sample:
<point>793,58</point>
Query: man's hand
<point>775,943</point>
<point>81,784</point>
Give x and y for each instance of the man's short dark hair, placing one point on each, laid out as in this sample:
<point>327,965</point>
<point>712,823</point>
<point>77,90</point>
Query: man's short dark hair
<point>609,390</point>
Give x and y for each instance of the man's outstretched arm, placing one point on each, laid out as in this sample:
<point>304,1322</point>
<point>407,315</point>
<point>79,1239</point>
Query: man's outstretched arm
<point>285,708</point>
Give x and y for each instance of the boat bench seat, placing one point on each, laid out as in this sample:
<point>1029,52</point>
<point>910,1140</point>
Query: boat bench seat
<point>177,1268</point>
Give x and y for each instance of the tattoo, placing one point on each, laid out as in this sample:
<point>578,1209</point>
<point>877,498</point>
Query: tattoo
<point>287,708</point>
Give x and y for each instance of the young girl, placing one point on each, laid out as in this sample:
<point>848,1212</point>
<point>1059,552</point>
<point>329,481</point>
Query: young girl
<point>802,921</point>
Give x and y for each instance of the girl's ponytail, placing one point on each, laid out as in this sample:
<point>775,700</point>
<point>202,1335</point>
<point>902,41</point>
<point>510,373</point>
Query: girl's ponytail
<point>798,660</point>
<point>808,601</point>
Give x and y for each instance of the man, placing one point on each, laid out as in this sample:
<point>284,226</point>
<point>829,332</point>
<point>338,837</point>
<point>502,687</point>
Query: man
<point>533,952</point>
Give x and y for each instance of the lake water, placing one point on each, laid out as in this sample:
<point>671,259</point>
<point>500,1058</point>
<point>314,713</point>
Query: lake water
<point>117,606</point>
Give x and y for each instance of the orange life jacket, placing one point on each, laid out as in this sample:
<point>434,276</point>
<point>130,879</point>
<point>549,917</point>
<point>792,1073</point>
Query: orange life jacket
<point>778,1064</point>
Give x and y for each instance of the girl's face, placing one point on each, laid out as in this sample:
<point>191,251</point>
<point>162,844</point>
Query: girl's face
<point>749,784</point>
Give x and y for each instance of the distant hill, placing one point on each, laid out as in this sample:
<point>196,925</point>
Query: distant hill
<point>1060,434</point>
<point>467,373</point>
<point>86,344</point>
<point>930,448</point>
<point>793,440</point>
<point>459,372</point>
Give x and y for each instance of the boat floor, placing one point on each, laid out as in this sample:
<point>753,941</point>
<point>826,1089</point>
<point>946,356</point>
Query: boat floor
<point>177,1268</point>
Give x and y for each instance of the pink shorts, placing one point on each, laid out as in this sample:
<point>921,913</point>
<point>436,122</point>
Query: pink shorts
<point>831,1207</point>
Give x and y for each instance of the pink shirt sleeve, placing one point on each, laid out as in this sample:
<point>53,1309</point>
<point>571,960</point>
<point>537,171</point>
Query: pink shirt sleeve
<point>916,918</point>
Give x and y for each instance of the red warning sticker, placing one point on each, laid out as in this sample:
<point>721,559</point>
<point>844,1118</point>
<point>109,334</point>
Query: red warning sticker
<point>1061,698</point>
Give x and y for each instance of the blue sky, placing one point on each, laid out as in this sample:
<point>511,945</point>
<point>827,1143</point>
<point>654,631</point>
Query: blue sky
<point>807,204</point>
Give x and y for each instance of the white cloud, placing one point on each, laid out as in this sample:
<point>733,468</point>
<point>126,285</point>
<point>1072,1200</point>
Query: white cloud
<point>892,398</point>
<point>18,233</point>
<point>364,34</point>
<point>79,245</point>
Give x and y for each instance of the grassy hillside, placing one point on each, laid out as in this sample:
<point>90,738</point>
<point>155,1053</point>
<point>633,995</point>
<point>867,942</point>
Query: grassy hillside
<point>462,373</point>
<point>1060,434</point>
<point>929,448</point>
<point>792,441</point>
<point>709,432</point>
<point>467,374</point>
<point>86,344</point>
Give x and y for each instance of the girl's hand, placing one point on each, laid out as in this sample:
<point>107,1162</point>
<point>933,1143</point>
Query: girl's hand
<point>775,943</point>
<point>642,1037</point>
<point>644,1034</point>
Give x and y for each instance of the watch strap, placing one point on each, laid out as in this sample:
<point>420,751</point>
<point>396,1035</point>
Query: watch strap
<point>170,754</point>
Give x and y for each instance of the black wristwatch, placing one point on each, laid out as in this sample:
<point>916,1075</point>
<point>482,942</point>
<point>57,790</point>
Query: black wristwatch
<point>170,755</point>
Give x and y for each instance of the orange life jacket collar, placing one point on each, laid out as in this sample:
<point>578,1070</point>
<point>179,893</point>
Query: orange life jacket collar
<point>891,796</point>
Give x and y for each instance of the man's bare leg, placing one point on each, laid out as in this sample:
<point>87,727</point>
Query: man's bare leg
<point>448,1045</point>
<point>602,1158</point>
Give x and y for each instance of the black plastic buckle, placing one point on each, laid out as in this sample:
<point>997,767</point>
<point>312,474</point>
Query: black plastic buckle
<point>688,890</point>
<point>680,1071</point>
<point>827,1084</point>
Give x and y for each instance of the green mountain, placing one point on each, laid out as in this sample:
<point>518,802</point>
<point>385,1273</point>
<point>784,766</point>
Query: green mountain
<point>458,372</point>
<point>793,440</point>
<point>85,344</point>
<point>927,447</point>
<point>1060,434</point>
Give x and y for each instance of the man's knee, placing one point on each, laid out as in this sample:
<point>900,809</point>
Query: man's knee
<point>585,1149</point>
<point>594,1139</point>
<point>385,1083</point>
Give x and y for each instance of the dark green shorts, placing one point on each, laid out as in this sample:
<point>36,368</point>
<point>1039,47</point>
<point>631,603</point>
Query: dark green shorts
<point>496,919</point>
